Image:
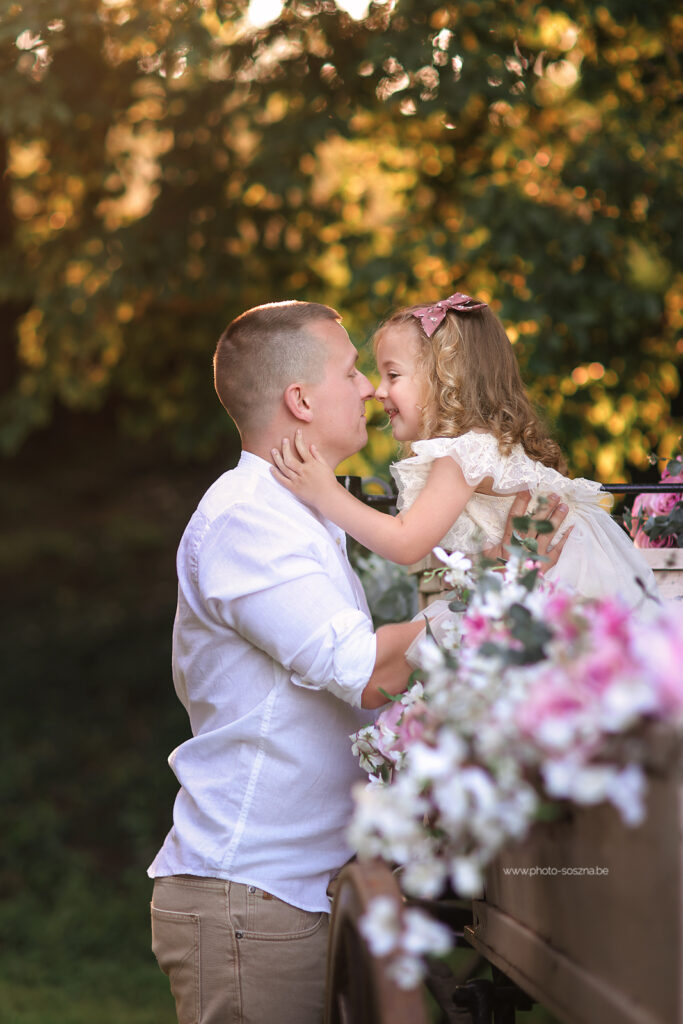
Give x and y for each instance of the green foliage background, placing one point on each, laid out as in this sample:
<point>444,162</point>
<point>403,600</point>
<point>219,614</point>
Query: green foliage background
<point>165,164</point>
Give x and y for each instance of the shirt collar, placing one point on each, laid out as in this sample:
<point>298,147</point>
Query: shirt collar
<point>255,464</point>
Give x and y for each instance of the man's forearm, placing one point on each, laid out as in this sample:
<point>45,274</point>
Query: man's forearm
<point>391,672</point>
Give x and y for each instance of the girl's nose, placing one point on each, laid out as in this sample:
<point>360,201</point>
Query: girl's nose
<point>381,392</point>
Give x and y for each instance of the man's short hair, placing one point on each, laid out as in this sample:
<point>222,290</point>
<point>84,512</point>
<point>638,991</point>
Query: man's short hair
<point>263,351</point>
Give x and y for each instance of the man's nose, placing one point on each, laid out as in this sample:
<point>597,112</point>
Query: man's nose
<point>366,389</point>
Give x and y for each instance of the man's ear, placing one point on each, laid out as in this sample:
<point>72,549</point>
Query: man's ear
<point>297,402</point>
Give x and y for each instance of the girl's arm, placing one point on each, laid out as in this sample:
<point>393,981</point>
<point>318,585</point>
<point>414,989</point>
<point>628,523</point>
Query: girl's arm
<point>404,538</point>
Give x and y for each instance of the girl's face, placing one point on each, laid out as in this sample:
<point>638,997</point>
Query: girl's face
<point>401,386</point>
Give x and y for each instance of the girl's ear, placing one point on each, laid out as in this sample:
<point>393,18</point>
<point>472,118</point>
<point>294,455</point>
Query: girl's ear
<point>297,402</point>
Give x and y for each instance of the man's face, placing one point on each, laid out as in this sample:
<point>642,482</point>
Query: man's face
<point>338,427</point>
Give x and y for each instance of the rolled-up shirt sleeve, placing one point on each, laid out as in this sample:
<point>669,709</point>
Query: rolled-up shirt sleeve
<point>272,587</point>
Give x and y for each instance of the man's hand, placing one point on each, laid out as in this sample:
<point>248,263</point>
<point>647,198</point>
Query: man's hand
<point>555,512</point>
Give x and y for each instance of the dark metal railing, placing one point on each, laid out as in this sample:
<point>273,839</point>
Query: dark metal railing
<point>661,488</point>
<point>387,500</point>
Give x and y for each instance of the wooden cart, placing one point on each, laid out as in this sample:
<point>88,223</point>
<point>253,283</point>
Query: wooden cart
<point>585,916</point>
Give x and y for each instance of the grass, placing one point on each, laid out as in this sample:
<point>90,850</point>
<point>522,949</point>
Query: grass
<point>106,993</point>
<point>87,583</point>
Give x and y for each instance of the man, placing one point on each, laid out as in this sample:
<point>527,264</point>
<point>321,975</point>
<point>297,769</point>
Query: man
<point>276,662</point>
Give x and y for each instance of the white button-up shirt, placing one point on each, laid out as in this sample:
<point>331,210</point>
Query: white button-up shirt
<point>272,648</point>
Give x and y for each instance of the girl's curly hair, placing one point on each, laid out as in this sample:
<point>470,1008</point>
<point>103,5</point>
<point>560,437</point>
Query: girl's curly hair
<point>473,382</point>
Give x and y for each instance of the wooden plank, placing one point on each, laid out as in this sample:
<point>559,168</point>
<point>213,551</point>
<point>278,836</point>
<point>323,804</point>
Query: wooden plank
<point>595,939</point>
<point>663,558</point>
<point>572,993</point>
<point>667,565</point>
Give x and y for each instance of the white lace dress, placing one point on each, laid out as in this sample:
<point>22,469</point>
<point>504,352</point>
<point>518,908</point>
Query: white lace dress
<point>598,558</point>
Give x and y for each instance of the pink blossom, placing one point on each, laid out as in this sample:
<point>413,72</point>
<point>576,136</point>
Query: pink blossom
<point>612,622</point>
<point>604,665</point>
<point>659,646</point>
<point>609,655</point>
<point>390,716</point>
<point>647,505</point>
<point>413,725</point>
<point>560,615</point>
<point>387,729</point>
<point>477,628</point>
<point>400,726</point>
<point>553,702</point>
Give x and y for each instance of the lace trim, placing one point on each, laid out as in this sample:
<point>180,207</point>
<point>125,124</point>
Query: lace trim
<point>483,520</point>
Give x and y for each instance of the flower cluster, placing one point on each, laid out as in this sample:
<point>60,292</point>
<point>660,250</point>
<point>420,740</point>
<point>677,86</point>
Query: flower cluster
<point>530,696</point>
<point>403,935</point>
<point>656,520</point>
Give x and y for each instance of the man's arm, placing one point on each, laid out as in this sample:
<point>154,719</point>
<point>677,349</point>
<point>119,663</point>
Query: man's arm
<point>273,579</point>
<point>391,672</point>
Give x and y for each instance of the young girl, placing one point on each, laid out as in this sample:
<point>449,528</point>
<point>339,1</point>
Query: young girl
<point>453,393</point>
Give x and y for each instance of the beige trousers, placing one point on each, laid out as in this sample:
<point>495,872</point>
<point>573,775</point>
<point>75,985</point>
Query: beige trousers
<point>237,955</point>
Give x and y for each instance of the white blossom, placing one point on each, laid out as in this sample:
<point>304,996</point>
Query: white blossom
<point>626,790</point>
<point>467,876</point>
<point>458,567</point>
<point>407,971</point>
<point>422,934</point>
<point>501,724</point>
<point>380,926</point>
<point>424,878</point>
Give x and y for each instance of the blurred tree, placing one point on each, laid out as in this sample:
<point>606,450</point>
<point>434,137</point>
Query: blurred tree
<point>170,163</point>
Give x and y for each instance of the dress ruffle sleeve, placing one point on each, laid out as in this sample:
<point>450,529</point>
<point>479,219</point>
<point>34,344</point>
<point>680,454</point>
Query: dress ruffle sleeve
<point>597,559</point>
<point>479,457</point>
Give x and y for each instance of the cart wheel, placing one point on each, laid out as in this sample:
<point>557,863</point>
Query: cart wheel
<point>359,989</point>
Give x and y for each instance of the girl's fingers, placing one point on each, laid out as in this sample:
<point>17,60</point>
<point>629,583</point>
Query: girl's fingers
<point>282,464</point>
<point>288,456</point>
<point>277,459</point>
<point>300,446</point>
<point>518,508</point>
<point>554,553</point>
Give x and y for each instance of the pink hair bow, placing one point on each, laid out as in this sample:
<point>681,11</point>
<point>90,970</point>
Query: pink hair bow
<point>431,316</point>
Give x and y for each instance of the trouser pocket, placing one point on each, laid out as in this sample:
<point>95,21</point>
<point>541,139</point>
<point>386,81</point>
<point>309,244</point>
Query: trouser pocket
<point>282,955</point>
<point>175,943</point>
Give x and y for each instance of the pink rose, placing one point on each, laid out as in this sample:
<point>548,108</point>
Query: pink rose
<point>655,505</point>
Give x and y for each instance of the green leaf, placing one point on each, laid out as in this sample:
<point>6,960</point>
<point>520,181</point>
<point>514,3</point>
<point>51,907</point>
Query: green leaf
<point>528,580</point>
<point>395,698</point>
<point>521,523</point>
<point>543,526</point>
